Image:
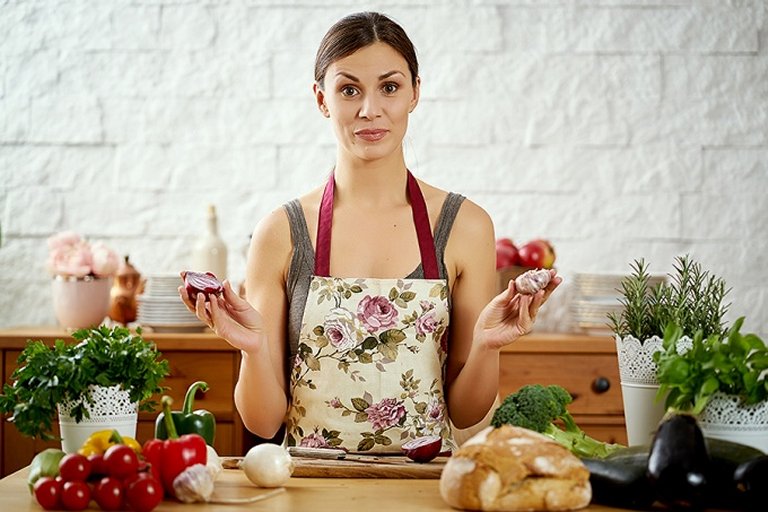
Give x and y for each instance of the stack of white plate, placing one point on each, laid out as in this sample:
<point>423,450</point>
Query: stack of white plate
<point>596,296</point>
<point>161,308</point>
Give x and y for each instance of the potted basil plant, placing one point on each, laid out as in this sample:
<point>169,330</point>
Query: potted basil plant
<point>693,299</point>
<point>99,382</point>
<point>722,380</point>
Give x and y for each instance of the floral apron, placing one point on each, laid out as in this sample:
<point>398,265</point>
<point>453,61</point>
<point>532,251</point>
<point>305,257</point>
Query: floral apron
<point>368,373</point>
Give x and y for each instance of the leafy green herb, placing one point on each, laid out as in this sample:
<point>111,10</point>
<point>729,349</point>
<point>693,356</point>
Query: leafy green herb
<point>46,376</point>
<point>692,299</point>
<point>733,363</point>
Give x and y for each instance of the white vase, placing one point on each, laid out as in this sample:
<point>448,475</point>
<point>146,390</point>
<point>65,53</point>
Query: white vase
<point>111,409</point>
<point>81,302</point>
<point>640,385</point>
<point>725,417</point>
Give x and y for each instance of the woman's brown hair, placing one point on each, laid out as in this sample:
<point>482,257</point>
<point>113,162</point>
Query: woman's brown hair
<point>359,30</point>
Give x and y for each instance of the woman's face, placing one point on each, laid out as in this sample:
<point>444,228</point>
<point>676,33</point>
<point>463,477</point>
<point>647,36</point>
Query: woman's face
<point>368,96</point>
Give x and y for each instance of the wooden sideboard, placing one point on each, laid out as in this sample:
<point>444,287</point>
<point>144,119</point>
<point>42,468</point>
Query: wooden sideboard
<point>585,365</point>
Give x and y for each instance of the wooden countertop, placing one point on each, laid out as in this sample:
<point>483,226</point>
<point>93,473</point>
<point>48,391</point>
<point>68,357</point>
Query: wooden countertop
<point>538,342</point>
<point>316,494</point>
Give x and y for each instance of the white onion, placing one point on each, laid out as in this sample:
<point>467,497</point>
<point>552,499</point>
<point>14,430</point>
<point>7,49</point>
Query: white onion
<point>268,465</point>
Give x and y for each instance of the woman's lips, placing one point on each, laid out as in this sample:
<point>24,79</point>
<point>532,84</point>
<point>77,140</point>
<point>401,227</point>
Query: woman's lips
<point>371,135</point>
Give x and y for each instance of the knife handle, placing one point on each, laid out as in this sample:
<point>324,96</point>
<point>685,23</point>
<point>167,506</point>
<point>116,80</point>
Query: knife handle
<point>316,453</point>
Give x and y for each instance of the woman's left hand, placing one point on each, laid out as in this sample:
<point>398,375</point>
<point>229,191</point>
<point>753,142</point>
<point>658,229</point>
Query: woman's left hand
<point>510,314</point>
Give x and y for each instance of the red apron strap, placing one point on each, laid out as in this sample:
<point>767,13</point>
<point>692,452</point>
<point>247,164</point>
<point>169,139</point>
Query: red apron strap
<point>423,229</point>
<point>324,223</point>
<point>420,220</point>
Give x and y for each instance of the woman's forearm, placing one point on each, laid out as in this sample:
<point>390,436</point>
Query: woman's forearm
<point>259,394</point>
<point>473,391</point>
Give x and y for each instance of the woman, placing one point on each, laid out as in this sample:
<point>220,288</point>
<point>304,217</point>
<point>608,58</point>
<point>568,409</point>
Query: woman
<point>342,340</point>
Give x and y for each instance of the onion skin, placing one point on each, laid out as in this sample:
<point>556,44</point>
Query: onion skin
<point>268,465</point>
<point>423,449</point>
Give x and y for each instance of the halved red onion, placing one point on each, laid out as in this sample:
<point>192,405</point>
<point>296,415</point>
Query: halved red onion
<point>423,449</point>
<point>201,282</point>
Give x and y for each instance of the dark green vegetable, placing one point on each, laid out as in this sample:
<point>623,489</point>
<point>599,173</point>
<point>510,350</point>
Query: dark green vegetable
<point>679,466</point>
<point>751,481</point>
<point>620,480</point>
<point>187,421</point>
<point>536,407</point>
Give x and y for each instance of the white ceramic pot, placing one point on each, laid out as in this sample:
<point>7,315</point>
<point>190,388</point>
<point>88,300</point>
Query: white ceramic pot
<point>640,385</point>
<point>81,303</point>
<point>725,417</point>
<point>111,409</point>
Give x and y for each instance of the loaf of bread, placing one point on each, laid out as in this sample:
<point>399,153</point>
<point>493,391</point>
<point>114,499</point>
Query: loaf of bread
<point>514,469</point>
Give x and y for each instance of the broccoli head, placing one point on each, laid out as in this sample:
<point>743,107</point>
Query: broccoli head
<point>537,407</point>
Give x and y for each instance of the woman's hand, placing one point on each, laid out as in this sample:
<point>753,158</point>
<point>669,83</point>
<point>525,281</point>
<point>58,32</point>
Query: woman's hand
<point>229,316</point>
<point>510,315</point>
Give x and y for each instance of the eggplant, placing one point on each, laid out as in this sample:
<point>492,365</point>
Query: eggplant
<point>679,465</point>
<point>751,481</point>
<point>619,480</point>
<point>726,457</point>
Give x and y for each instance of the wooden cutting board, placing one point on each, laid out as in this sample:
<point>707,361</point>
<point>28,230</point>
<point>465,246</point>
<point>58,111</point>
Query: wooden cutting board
<point>378,467</point>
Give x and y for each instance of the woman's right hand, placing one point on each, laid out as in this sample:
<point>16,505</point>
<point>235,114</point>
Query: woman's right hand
<point>229,316</point>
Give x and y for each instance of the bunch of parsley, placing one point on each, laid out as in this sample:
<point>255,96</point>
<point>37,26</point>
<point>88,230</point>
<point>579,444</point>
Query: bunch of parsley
<point>49,375</point>
<point>734,363</point>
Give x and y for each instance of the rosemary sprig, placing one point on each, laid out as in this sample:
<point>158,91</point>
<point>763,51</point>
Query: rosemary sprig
<point>693,299</point>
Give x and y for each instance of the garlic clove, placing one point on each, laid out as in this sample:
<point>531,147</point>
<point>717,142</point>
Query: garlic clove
<point>532,281</point>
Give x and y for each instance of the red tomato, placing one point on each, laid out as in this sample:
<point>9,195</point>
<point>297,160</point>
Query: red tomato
<point>75,495</point>
<point>109,493</point>
<point>121,461</point>
<point>98,467</point>
<point>144,493</point>
<point>47,492</point>
<point>74,467</point>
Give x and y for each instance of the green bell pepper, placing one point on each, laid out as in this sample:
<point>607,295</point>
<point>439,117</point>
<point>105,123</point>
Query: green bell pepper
<point>187,421</point>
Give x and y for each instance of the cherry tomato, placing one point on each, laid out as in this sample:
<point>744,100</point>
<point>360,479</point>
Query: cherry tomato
<point>74,467</point>
<point>48,493</point>
<point>98,466</point>
<point>75,495</point>
<point>121,461</point>
<point>144,493</point>
<point>109,493</point>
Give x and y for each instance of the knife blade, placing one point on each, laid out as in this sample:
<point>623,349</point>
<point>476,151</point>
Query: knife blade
<point>337,454</point>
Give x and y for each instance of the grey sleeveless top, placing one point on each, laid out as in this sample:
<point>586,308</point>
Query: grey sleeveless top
<point>302,264</point>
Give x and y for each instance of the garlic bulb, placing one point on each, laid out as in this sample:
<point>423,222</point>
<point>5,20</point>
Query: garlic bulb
<point>193,484</point>
<point>532,281</point>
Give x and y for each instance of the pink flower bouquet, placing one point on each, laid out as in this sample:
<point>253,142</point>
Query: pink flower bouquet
<point>72,256</point>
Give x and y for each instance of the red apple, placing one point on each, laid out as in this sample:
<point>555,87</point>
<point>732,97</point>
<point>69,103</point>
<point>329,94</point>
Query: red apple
<point>506,253</point>
<point>537,253</point>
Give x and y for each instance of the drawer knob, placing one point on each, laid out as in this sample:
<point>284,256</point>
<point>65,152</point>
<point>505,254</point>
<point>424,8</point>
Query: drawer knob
<point>601,385</point>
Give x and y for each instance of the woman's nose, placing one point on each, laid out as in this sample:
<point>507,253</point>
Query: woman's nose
<point>370,107</point>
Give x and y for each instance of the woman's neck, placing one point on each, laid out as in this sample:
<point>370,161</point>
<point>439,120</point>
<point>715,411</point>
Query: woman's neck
<point>376,184</point>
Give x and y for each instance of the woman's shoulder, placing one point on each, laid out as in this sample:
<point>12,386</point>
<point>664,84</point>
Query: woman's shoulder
<point>470,215</point>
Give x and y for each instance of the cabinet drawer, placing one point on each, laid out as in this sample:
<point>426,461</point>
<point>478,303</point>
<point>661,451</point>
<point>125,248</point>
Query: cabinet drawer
<point>218,369</point>
<point>592,379</point>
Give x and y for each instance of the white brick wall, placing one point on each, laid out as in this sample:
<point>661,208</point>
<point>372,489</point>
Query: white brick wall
<point>618,129</point>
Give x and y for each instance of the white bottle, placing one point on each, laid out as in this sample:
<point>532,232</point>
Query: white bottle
<point>210,253</point>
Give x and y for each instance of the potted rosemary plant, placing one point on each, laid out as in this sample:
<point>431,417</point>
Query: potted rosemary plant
<point>691,298</point>
<point>97,383</point>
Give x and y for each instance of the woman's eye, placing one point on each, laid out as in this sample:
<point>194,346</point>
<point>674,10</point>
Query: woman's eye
<point>390,88</point>
<point>348,91</point>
